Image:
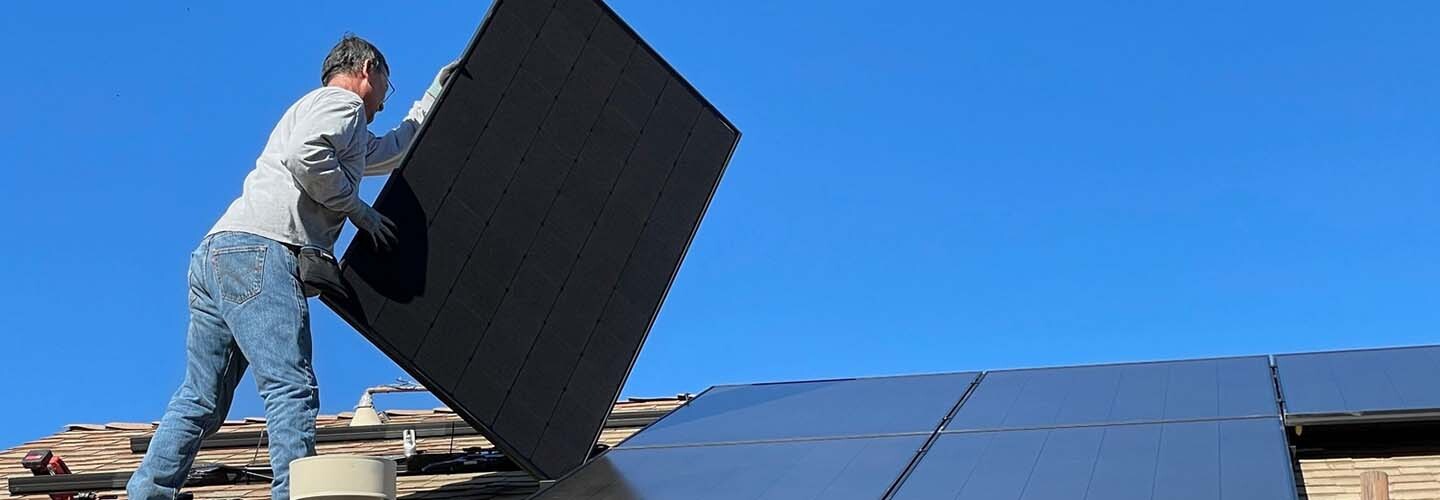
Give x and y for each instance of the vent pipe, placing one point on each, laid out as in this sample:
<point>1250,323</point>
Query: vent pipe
<point>365,413</point>
<point>342,477</point>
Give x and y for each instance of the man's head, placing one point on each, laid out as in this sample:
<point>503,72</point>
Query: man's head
<point>356,65</point>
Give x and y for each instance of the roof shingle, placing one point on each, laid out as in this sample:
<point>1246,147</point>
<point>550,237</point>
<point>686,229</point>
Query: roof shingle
<point>106,448</point>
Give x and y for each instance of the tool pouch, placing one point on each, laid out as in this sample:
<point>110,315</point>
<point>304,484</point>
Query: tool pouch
<point>319,273</point>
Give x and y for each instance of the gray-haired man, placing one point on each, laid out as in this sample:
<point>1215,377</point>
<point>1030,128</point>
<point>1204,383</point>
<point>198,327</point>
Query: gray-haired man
<point>247,304</point>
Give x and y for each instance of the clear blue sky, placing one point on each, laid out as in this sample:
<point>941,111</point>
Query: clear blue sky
<point>921,187</point>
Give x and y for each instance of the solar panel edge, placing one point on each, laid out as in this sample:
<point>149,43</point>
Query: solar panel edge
<point>1125,423</point>
<point>1146,457</point>
<point>608,11</point>
<point>576,470</point>
<point>675,76</point>
<point>919,455</point>
<point>1363,417</point>
<point>1143,392</point>
<point>564,395</point>
<point>1357,350</point>
<point>1131,363</point>
<point>796,412</point>
<point>706,206</point>
<point>972,373</point>
<point>426,381</point>
<point>1278,432</point>
<point>445,91</point>
<point>579,251</point>
<point>850,469</point>
<point>1313,393</point>
<point>464,368</point>
<point>670,280</point>
<point>516,274</point>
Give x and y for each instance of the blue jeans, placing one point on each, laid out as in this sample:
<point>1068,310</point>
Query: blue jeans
<point>246,309</point>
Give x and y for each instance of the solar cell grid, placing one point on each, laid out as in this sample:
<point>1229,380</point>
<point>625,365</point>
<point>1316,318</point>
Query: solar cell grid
<point>1209,460</point>
<point>1121,393</point>
<point>1372,385</point>
<point>810,410</point>
<point>543,213</point>
<point>843,469</point>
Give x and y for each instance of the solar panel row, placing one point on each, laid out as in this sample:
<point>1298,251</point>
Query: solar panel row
<point>810,410</point>
<point>839,469</point>
<point>1372,385</point>
<point>1202,429</point>
<point>1140,392</point>
<point>1211,460</point>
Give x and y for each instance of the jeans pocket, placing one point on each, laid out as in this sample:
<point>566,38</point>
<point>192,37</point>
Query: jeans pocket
<point>239,272</point>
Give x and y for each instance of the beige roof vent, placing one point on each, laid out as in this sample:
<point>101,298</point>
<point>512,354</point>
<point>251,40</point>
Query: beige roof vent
<point>365,413</point>
<point>342,477</point>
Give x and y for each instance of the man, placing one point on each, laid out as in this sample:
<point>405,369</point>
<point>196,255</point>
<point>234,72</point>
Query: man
<point>247,304</point>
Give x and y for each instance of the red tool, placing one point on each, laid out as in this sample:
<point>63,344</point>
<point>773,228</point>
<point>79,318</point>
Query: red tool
<point>45,463</point>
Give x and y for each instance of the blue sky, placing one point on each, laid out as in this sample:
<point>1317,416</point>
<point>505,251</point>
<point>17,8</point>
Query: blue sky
<point>921,187</point>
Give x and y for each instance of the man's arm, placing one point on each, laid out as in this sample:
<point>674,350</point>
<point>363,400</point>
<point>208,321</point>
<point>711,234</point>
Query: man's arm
<point>325,135</point>
<point>320,138</point>
<point>382,154</point>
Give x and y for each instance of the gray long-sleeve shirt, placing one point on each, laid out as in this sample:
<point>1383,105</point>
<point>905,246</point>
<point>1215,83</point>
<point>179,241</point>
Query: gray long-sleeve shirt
<point>307,180</point>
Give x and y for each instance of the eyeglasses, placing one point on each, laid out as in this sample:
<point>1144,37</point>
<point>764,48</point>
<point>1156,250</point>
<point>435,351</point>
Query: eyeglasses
<point>389,89</point>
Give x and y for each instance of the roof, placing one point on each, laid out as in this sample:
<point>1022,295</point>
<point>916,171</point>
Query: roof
<point>106,448</point>
<point>1199,414</point>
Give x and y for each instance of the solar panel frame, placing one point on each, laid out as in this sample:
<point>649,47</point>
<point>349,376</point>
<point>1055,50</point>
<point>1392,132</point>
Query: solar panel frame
<point>365,311</point>
<point>1229,459</point>
<point>734,420</point>
<point>1359,386</point>
<point>848,468</point>
<point>1078,395</point>
<point>1235,454</point>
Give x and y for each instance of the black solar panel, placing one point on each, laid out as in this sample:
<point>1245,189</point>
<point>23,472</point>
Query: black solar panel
<point>840,469</point>
<point>891,405</point>
<point>1238,459</point>
<point>1140,392</point>
<point>1360,386</point>
<point>1201,429</point>
<point>544,210</point>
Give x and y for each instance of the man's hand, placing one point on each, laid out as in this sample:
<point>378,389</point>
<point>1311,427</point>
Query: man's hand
<point>442,78</point>
<point>379,227</point>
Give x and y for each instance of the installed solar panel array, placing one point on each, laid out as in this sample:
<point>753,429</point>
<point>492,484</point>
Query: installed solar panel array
<point>1209,460</point>
<point>543,213</point>
<point>1116,394</point>
<point>776,441</point>
<point>1205,429</point>
<point>1374,385</point>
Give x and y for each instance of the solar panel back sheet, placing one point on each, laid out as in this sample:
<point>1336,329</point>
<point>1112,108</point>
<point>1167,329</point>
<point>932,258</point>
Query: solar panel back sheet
<point>543,212</point>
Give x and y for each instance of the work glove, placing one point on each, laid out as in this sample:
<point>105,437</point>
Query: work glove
<point>442,78</point>
<point>380,229</point>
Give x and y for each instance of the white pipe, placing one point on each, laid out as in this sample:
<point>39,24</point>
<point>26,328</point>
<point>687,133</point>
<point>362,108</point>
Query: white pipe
<point>365,413</point>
